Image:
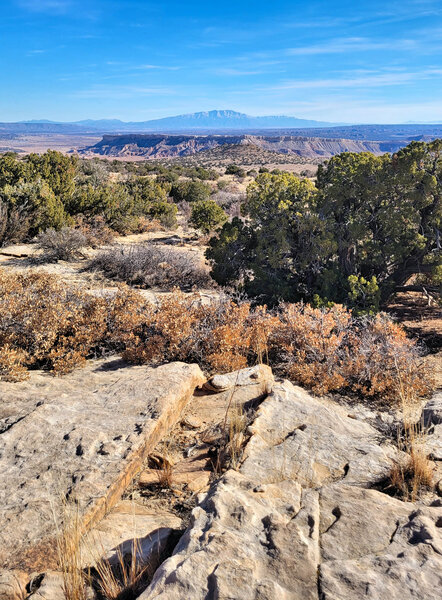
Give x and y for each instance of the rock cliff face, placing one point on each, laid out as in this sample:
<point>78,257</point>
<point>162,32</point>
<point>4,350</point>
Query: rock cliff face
<point>167,146</point>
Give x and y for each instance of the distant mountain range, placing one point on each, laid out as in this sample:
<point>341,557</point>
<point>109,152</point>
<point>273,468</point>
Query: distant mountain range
<point>211,120</point>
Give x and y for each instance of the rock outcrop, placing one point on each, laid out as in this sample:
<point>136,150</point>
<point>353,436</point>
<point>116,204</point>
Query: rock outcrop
<point>80,437</point>
<point>300,519</point>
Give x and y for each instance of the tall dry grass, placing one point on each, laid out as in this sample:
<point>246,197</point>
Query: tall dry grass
<point>410,477</point>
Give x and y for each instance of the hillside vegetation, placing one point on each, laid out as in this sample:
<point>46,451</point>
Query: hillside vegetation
<point>367,227</point>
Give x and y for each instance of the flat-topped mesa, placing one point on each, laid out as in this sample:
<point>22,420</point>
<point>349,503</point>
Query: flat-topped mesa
<point>170,145</point>
<point>82,437</point>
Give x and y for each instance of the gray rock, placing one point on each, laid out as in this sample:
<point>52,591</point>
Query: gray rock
<point>433,442</point>
<point>432,411</point>
<point>82,437</point>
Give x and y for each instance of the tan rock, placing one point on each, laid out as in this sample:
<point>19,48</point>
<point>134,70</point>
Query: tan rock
<point>245,542</point>
<point>126,522</point>
<point>241,378</point>
<point>258,534</point>
<point>13,585</point>
<point>51,587</point>
<point>378,547</point>
<point>314,441</point>
<point>83,436</point>
<point>191,422</point>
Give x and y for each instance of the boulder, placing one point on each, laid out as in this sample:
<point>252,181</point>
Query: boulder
<point>126,522</point>
<point>51,587</point>
<point>244,377</point>
<point>13,585</point>
<point>300,521</point>
<point>378,547</point>
<point>80,437</point>
<point>433,442</point>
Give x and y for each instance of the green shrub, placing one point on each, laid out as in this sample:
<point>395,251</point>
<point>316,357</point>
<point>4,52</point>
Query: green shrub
<point>37,204</point>
<point>190,191</point>
<point>165,212</point>
<point>235,170</point>
<point>207,216</point>
<point>367,226</point>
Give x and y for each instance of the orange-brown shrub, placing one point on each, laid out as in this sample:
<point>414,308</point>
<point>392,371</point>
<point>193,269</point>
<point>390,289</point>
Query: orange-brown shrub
<point>311,346</point>
<point>44,322</point>
<point>384,362</point>
<point>47,323</point>
<point>95,230</point>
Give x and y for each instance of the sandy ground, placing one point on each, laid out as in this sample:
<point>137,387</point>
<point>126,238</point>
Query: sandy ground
<point>24,257</point>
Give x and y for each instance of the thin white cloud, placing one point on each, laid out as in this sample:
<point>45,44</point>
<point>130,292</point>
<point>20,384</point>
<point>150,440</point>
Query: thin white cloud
<point>351,44</point>
<point>236,72</point>
<point>379,80</point>
<point>153,67</point>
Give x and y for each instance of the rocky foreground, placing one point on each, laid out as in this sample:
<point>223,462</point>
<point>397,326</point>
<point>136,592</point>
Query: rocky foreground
<point>301,516</point>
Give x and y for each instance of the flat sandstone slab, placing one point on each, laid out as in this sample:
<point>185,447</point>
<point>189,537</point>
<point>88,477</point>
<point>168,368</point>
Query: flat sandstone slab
<point>79,437</point>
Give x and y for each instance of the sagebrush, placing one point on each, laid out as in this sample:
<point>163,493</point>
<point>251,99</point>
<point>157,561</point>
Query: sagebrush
<point>151,266</point>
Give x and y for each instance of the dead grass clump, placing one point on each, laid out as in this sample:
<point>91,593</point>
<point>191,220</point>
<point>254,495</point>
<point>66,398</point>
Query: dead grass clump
<point>409,478</point>
<point>150,266</point>
<point>413,475</point>
<point>69,554</point>
<point>124,578</point>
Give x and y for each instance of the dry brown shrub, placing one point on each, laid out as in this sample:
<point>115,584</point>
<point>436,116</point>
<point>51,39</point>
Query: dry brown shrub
<point>162,330</point>
<point>46,323</point>
<point>384,362</point>
<point>150,266</point>
<point>66,243</point>
<point>15,223</point>
<point>95,230</point>
<point>311,346</point>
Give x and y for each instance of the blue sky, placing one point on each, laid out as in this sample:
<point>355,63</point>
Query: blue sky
<point>347,61</point>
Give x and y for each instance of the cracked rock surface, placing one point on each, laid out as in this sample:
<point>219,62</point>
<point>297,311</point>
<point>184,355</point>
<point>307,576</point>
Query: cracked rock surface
<point>300,519</point>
